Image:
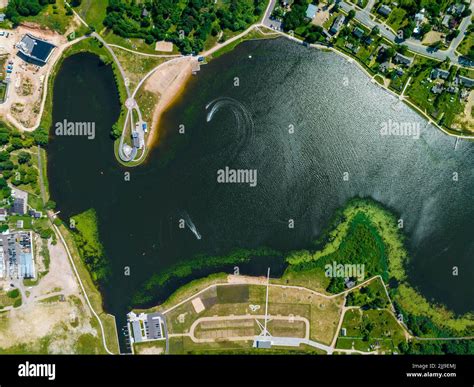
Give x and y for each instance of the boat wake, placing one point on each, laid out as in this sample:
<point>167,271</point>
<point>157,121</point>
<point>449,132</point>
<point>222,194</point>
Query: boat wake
<point>189,223</point>
<point>243,118</point>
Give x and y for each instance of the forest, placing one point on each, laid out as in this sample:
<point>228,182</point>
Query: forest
<point>188,24</point>
<point>17,9</point>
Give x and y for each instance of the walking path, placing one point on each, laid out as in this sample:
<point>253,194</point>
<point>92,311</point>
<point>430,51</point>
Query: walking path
<point>332,346</point>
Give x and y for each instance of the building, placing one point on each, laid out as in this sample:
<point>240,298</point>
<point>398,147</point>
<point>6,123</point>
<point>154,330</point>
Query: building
<point>446,20</point>
<point>383,67</point>
<point>337,24</point>
<point>457,9</point>
<point>311,11</point>
<point>35,214</point>
<point>437,89</point>
<point>145,327</point>
<point>35,50</point>
<point>154,326</point>
<point>27,267</point>
<point>263,343</point>
<point>3,214</point>
<point>16,255</point>
<point>20,201</point>
<point>452,89</point>
<point>465,81</point>
<point>359,32</point>
<point>439,73</point>
<point>349,283</point>
<point>2,17</point>
<point>384,10</point>
<point>402,59</point>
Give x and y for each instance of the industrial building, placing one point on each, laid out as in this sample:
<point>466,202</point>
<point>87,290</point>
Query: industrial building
<point>16,255</point>
<point>145,327</point>
<point>35,50</point>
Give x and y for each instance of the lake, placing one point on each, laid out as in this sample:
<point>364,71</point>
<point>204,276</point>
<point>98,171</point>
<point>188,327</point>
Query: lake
<point>308,122</point>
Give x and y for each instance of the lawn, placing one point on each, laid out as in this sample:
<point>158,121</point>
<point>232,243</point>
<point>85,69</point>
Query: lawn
<point>466,44</point>
<point>93,12</point>
<point>371,327</point>
<point>397,18</point>
<point>136,66</point>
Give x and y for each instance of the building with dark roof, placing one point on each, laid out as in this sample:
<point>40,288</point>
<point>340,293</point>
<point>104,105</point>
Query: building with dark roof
<point>439,73</point>
<point>384,10</point>
<point>154,326</point>
<point>338,22</point>
<point>465,81</point>
<point>359,32</point>
<point>405,60</point>
<point>35,50</point>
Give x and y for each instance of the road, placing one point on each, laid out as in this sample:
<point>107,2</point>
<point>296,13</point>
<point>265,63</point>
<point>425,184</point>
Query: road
<point>40,175</point>
<point>274,24</point>
<point>363,16</point>
<point>117,62</point>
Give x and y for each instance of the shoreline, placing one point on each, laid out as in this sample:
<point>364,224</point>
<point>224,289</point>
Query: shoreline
<point>410,300</point>
<point>172,94</point>
<point>168,83</point>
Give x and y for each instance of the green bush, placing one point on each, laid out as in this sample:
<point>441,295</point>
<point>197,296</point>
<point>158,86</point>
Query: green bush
<point>17,303</point>
<point>13,293</point>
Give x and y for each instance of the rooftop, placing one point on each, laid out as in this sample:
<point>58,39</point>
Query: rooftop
<point>311,11</point>
<point>35,48</point>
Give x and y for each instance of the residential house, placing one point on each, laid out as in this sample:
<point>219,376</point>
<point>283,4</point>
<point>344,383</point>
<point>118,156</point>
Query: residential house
<point>3,214</point>
<point>439,73</point>
<point>311,11</point>
<point>383,67</point>
<point>465,81</point>
<point>445,21</point>
<point>337,24</point>
<point>359,32</point>
<point>402,59</point>
<point>457,9</point>
<point>384,10</point>
<point>419,18</point>
<point>20,201</point>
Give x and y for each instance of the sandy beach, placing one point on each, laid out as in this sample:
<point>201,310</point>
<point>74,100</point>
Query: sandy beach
<point>168,82</point>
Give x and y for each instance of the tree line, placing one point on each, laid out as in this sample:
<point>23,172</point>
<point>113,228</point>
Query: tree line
<point>188,24</point>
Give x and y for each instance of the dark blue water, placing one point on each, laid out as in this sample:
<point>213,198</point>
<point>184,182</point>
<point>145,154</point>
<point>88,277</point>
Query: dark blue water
<point>336,115</point>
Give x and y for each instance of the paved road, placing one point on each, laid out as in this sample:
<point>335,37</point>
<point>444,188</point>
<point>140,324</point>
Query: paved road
<point>363,16</point>
<point>266,17</point>
<point>122,71</point>
<point>40,168</point>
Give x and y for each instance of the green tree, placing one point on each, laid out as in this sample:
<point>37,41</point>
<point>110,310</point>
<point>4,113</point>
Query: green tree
<point>24,157</point>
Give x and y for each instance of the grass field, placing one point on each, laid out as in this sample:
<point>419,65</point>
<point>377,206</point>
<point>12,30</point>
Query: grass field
<point>93,293</point>
<point>367,330</point>
<point>397,18</point>
<point>136,66</point>
<point>93,12</point>
<point>466,44</point>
